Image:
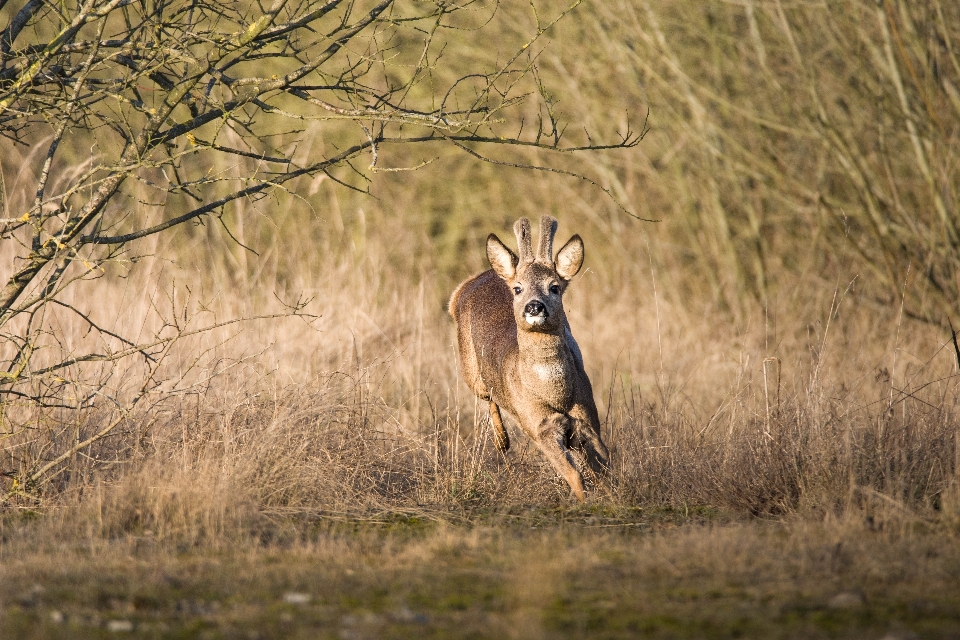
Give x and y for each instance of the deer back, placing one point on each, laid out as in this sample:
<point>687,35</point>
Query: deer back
<point>486,331</point>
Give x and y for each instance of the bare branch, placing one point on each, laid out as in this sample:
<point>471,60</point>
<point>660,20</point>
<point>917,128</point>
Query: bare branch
<point>177,109</point>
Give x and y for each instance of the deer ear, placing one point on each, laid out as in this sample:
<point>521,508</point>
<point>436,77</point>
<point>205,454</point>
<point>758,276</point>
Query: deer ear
<point>503,261</point>
<point>570,258</point>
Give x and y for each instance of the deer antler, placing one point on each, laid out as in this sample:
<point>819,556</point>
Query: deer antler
<point>524,242</point>
<point>548,228</point>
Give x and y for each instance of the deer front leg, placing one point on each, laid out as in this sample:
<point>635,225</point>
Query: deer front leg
<point>550,438</point>
<point>586,423</point>
<point>500,437</point>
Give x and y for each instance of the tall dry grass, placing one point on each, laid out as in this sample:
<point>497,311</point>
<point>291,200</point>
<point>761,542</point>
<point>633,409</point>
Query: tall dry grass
<point>361,413</point>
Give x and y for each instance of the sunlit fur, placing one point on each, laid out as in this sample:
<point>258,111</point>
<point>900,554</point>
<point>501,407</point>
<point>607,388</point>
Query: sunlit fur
<point>517,351</point>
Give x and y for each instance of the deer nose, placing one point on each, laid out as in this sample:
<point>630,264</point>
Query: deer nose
<point>535,308</point>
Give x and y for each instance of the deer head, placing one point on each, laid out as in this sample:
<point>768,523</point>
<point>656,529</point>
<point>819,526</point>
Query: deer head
<point>537,281</point>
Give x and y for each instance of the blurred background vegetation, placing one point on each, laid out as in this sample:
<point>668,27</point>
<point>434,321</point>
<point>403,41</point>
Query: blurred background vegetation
<point>790,143</point>
<point>792,146</point>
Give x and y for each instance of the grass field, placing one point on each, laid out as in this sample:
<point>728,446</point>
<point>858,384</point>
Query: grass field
<point>772,362</point>
<point>519,573</point>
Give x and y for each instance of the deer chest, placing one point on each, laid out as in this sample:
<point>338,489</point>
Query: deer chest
<point>553,383</point>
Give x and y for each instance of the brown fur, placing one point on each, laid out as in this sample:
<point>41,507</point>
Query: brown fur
<point>522,357</point>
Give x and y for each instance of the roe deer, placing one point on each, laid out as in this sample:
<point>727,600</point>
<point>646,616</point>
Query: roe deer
<point>517,351</point>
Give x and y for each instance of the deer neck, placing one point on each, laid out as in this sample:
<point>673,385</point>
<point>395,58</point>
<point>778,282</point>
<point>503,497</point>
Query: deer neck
<point>546,364</point>
<point>538,346</point>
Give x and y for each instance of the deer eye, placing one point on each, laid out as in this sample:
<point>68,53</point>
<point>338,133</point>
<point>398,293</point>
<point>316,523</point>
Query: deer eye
<point>517,290</point>
<point>554,288</point>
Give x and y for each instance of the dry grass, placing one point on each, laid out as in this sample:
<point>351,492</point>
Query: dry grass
<point>782,430</point>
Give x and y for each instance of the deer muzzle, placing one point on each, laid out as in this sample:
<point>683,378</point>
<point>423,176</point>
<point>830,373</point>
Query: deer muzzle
<point>535,313</point>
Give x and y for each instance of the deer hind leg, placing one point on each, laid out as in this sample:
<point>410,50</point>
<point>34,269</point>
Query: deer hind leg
<point>551,438</point>
<point>500,437</point>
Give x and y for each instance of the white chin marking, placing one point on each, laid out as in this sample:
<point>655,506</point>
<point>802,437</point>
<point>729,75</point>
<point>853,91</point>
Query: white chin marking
<point>536,321</point>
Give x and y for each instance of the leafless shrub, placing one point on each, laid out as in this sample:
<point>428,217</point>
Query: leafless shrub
<point>134,118</point>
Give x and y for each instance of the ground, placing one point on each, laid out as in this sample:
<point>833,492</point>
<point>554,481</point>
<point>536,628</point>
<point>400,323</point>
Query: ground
<point>565,572</point>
